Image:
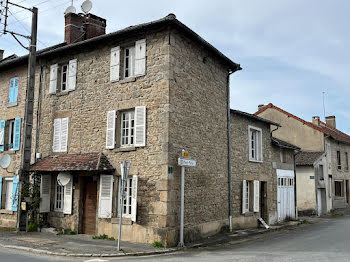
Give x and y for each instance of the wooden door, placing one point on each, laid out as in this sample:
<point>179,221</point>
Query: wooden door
<point>347,191</point>
<point>263,201</point>
<point>89,208</point>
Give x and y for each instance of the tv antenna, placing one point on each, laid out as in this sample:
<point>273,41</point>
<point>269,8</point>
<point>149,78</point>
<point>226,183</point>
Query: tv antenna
<point>70,9</point>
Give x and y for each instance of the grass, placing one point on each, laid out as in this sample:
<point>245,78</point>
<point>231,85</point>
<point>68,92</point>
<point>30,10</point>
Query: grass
<point>104,236</point>
<point>157,244</point>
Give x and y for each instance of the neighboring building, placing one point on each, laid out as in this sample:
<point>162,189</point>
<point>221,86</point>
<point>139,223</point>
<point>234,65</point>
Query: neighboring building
<point>330,179</point>
<point>142,94</point>
<point>262,172</point>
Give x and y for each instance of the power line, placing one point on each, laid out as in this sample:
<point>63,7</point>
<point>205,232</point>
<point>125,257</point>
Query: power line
<point>40,3</point>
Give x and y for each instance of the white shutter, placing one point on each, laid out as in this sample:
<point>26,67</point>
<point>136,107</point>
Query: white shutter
<point>105,199</point>
<point>110,131</point>
<point>64,134</point>
<point>68,197</point>
<point>244,200</point>
<point>134,198</point>
<point>115,64</point>
<point>140,57</point>
<point>140,126</point>
<point>53,79</point>
<point>56,135</point>
<point>72,74</point>
<point>256,195</point>
<point>45,189</point>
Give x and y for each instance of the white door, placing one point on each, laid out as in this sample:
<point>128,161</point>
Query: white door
<point>285,194</point>
<point>8,203</point>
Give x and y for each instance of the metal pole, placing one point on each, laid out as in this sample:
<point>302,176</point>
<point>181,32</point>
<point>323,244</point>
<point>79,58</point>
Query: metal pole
<point>181,243</point>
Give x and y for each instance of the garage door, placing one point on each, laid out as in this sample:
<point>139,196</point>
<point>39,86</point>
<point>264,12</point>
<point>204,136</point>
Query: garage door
<point>285,194</point>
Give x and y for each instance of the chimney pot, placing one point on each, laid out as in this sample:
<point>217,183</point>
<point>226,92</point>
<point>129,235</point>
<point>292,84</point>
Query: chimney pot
<point>1,54</point>
<point>260,106</point>
<point>316,120</point>
<point>330,121</point>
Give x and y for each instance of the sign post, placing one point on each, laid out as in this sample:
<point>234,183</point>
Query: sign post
<point>183,161</point>
<point>124,167</point>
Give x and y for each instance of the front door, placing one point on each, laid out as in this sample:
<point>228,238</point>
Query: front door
<point>347,191</point>
<point>89,207</point>
<point>285,194</point>
<point>263,201</point>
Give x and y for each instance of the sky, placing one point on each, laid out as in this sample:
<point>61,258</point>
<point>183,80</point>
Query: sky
<point>293,52</point>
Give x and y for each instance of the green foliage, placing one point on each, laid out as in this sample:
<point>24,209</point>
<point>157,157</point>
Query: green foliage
<point>104,236</point>
<point>157,244</point>
<point>111,238</point>
<point>71,232</point>
<point>32,227</point>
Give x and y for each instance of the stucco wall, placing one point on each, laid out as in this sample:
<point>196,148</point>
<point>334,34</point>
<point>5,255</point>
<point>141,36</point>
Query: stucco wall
<point>306,196</point>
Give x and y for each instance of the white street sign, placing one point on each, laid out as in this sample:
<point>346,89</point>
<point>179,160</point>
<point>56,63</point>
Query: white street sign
<point>187,162</point>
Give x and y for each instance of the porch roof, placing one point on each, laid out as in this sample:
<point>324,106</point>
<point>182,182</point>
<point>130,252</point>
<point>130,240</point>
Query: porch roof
<point>74,162</point>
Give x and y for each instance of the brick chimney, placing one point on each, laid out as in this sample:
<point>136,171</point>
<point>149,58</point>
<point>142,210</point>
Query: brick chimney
<point>79,27</point>
<point>1,54</point>
<point>330,121</point>
<point>316,120</point>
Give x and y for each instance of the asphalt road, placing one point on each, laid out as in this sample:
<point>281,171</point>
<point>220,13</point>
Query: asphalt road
<point>329,241</point>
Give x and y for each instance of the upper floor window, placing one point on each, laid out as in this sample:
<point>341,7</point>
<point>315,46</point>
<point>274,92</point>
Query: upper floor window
<point>13,90</point>
<point>10,134</point>
<point>60,135</point>
<point>255,144</point>
<point>127,128</point>
<point>346,161</point>
<point>338,160</point>
<point>63,77</point>
<point>133,60</point>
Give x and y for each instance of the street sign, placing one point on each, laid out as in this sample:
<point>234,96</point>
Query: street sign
<point>187,162</point>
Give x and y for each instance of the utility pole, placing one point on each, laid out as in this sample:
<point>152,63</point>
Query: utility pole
<point>29,102</point>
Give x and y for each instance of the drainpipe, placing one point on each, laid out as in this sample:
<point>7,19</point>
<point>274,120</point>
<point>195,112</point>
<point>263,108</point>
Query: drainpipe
<point>295,182</point>
<point>229,152</point>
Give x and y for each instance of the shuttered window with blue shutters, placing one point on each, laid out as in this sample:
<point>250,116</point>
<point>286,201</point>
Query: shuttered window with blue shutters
<point>13,90</point>
<point>17,134</point>
<point>2,135</point>
<point>15,194</point>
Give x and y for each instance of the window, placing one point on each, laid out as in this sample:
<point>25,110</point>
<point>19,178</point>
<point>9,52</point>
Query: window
<point>346,161</point>
<point>320,172</point>
<point>64,77</point>
<point>127,128</point>
<point>338,160</point>
<point>59,197</point>
<point>6,193</point>
<point>13,90</point>
<point>250,196</point>
<point>10,134</point>
<point>283,155</point>
<point>129,61</point>
<point>338,188</point>
<point>255,144</point>
<point>60,135</point>
<point>127,197</point>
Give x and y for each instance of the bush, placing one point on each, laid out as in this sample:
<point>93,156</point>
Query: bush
<point>71,232</point>
<point>157,244</point>
<point>32,227</point>
<point>104,236</point>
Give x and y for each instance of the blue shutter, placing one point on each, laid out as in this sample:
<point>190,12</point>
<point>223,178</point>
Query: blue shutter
<point>2,135</point>
<point>17,138</point>
<point>13,91</point>
<point>10,90</point>
<point>15,194</point>
<point>0,190</point>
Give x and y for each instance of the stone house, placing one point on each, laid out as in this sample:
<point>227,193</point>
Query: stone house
<point>141,94</point>
<point>325,151</point>
<point>262,171</point>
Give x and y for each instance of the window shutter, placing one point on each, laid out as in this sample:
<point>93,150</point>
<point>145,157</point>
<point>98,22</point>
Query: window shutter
<point>256,195</point>
<point>56,135</point>
<point>118,201</point>
<point>72,75</point>
<point>105,199</point>
<point>64,134</point>
<point>2,135</point>
<point>244,200</point>
<point>45,189</point>
<point>15,185</point>
<point>0,189</point>
<point>134,198</point>
<point>68,197</point>
<point>140,126</point>
<point>115,64</point>
<point>53,79</point>
<point>13,90</point>
<point>140,57</point>
<point>17,136</point>
<point>110,132</point>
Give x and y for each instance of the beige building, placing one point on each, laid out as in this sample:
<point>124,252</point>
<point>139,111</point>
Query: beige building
<point>141,94</point>
<point>323,171</point>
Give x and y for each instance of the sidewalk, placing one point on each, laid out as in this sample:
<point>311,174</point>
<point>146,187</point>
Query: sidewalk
<point>85,246</point>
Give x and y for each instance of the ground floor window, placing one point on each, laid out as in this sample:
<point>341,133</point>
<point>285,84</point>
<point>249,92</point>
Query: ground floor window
<point>59,197</point>
<point>127,197</point>
<point>338,188</point>
<point>6,194</point>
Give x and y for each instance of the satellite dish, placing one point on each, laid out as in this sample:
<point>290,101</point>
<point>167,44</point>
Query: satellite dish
<point>70,9</point>
<point>86,6</point>
<point>5,161</point>
<point>63,178</point>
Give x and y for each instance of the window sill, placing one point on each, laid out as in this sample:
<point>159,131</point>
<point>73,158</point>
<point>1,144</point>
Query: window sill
<point>125,149</point>
<point>249,214</point>
<point>256,161</point>
<point>12,105</point>
<point>127,80</point>
<point>5,211</point>
<point>64,93</point>
<point>10,152</point>
<point>125,221</point>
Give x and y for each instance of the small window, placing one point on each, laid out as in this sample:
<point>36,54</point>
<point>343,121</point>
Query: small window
<point>255,144</point>
<point>338,188</point>
<point>6,193</point>
<point>64,77</point>
<point>338,160</point>
<point>127,128</point>
<point>247,195</point>
<point>129,62</point>
<point>320,172</point>
<point>346,161</point>
<point>11,134</point>
<point>59,197</point>
<point>128,197</point>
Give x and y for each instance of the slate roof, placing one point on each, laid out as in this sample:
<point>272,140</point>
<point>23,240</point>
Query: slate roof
<point>73,162</point>
<point>283,144</point>
<point>323,127</point>
<point>169,20</point>
<point>307,158</point>
<point>258,118</point>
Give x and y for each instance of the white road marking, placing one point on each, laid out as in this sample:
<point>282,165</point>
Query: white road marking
<point>95,260</point>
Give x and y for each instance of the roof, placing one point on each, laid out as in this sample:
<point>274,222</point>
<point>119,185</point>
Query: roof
<point>169,20</point>
<point>307,158</point>
<point>284,144</point>
<point>245,114</point>
<point>73,162</point>
<point>323,127</point>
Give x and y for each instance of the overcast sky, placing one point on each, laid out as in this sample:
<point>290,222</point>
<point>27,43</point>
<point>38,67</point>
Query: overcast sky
<point>290,51</point>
